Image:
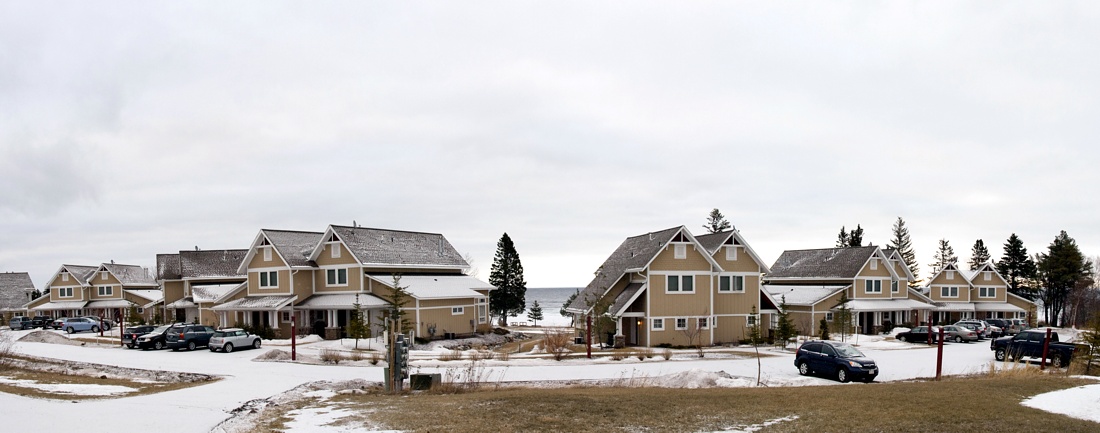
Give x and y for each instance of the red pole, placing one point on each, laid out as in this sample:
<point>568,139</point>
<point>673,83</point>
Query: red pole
<point>100,324</point>
<point>1046,347</point>
<point>588,335</point>
<point>929,328</point>
<point>121,328</point>
<point>939,357</point>
<point>293,337</point>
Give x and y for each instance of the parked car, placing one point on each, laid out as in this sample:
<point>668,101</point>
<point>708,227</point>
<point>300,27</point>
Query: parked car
<point>58,323</point>
<point>131,334</point>
<point>41,321</point>
<point>1006,325</point>
<point>154,339</point>
<point>842,360</point>
<point>977,326</point>
<point>959,334</point>
<point>231,338</point>
<point>80,324</point>
<point>1021,324</point>
<point>107,323</point>
<point>1030,344</point>
<point>919,334</point>
<point>188,336</point>
<point>19,322</point>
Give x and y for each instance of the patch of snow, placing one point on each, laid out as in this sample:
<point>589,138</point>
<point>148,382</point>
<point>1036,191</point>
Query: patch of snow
<point>757,427</point>
<point>42,336</point>
<point>1080,402</point>
<point>69,388</point>
<point>320,419</point>
<point>309,339</point>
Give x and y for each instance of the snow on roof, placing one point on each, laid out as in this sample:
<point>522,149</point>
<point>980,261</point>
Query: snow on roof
<point>14,287</point>
<point>211,263</point>
<point>187,302</point>
<point>822,263</point>
<point>168,267</point>
<point>997,306</point>
<point>888,305</point>
<point>211,292</point>
<point>437,286</point>
<point>293,246</point>
<point>60,305</point>
<point>402,248</point>
<point>955,306</point>
<point>257,303</point>
<point>81,272</point>
<point>110,303</point>
<point>801,295</point>
<point>341,301</point>
<point>130,275</point>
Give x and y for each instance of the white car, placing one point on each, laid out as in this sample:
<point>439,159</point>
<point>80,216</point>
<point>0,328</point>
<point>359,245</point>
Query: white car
<point>231,338</point>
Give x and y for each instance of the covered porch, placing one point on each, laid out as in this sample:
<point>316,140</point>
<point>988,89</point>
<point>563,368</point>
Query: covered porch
<point>257,312</point>
<point>328,315</point>
<point>58,309</point>
<point>874,316</point>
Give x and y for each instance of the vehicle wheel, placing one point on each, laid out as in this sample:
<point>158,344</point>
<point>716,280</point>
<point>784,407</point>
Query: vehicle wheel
<point>803,368</point>
<point>1056,361</point>
<point>129,346</point>
<point>69,330</point>
<point>902,339</point>
<point>228,347</point>
<point>958,339</point>
<point>213,349</point>
<point>999,354</point>
<point>842,375</point>
<point>256,344</point>
<point>191,346</point>
<point>95,329</point>
<point>158,345</point>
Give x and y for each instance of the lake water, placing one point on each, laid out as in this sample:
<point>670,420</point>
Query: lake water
<point>551,300</point>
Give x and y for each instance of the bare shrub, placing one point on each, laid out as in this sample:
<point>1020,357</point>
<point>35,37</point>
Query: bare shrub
<point>374,358</point>
<point>557,343</point>
<point>666,354</point>
<point>469,377</point>
<point>619,355</point>
<point>6,351</point>
<point>504,356</point>
<point>356,355</point>
<point>450,355</point>
<point>644,353</point>
<point>480,355</point>
<point>331,356</point>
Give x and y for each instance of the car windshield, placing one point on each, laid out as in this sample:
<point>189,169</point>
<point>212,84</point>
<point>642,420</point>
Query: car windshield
<point>846,350</point>
<point>160,329</point>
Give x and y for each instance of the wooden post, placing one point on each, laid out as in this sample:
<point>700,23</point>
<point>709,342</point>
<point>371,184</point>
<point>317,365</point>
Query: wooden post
<point>939,355</point>
<point>588,335</point>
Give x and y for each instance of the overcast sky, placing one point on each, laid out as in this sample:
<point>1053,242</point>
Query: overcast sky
<point>127,131</point>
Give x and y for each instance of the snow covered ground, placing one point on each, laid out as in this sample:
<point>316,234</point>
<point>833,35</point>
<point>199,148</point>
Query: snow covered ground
<point>200,408</point>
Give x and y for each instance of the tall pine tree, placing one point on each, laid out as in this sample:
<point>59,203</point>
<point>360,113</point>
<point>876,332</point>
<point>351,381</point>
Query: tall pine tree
<point>855,238</point>
<point>1061,268</point>
<point>507,276</point>
<point>534,314</point>
<point>944,256</point>
<point>979,254</point>
<point>842,238</point>
<point>904,246</point>
<point>716,222</point>
<point>1018,268</point>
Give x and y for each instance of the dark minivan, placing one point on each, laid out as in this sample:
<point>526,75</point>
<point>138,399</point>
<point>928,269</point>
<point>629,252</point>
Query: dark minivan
<point>188,336</point>
<point>839,360</point>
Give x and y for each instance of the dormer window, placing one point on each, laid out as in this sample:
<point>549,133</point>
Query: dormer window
<point>103,275</point>
<point>951,275</point>
<point>64,276</point>
<point>267,254</point>
<point>731,252</point>
<point>680,251</point>
<point>988,275</point>
<point>335,250</point>
<point>874,264</point>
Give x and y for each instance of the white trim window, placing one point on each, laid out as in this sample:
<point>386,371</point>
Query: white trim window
<point>874,264</point>
<point>458,311</point>
<point>140,310</point>
<point>269,279</point>
<point>987,292</point>
<point>731,283</point>
<point>681,323</point>
<point>949,292</point>
<point>872,286</point>
<point>951,275</point>
<point>680,284</point>
<point>679,251</point>
<point>284,316</point>
<point>750,320</point>
<point>335,250</point>
<point>267,254</point>
<point>731,253</point>
<point>64,276</point>
<point>103,275</point>
<point>703,322</point>
<point>987,275</point>
<point>829,316</point>
<point>106,291</point>
<point>481,316</point>
<point>658,324</point>
<point>336,277</point>
<point>65,292</point>
<point>894,286</point>
<point>714,322</point>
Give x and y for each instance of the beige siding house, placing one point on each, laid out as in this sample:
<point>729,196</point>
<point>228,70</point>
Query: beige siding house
<point>67,292</point>
<point>981,293</point>
<point>193,281</point>
<point>16,289</point>
<point>875,281</point>
<point>669,287</point>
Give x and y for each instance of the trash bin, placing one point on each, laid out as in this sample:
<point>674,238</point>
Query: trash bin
<point>424,382</point>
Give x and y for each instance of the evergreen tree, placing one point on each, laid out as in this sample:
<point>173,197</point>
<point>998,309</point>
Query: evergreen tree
<point>396,301</point>
<point>358,328</point>
<point>904,246</point>
<point>1017,267</point>
<point>716,222</point>
<point>944,256</point>
<point>855,238</point>
<point>534,314</point>
<point>36,294</point>
<point>1061,269</point>
<point>842,238</point>
<point>507,276</point>
<point>979,255</point>
<point>823,329</point>
<point>842,316</point>
<point>569,301</point>
<point>784,328</point>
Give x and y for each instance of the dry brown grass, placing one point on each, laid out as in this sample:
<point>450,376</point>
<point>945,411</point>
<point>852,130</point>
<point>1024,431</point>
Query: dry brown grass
<point>666,354</point>
<point>44,377</point>
<point>955,404</point>
<point>558,343</point>
<point>450,355</point>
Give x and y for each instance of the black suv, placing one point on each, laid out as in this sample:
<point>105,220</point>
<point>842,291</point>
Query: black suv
<point>41,322</point>
<point>188,336</point>
<point>153,339</point>
<point>130,335</point>
<point>840,360</point>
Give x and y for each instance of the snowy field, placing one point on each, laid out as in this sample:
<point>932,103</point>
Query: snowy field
<point>201,408</point>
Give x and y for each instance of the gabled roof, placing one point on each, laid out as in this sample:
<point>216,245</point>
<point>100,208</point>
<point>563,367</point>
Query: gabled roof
<point>293,247</point>
<point>437,286</point>
<point>893,254</point>
<point>949,267</point>
<point>713,241</point>
<point>212,263</point>
<point>14,287</point>
<point>972,276</point>
<point>214,292</point>
<point>129,275</point>
<point>168,267</point>
<point>81,273</point>
<point>801,295</point>
<point>395,248</point>
<point>825,263</point>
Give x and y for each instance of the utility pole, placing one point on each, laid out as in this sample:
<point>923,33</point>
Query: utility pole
<point>293,336</point>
